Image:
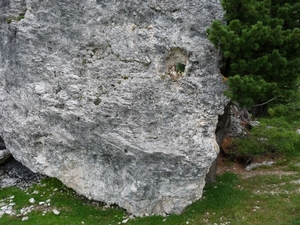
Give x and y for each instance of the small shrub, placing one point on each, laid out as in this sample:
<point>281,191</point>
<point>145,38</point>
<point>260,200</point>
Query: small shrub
<point>20,17</point>
<point>9,20</point>
<point>179,67</point>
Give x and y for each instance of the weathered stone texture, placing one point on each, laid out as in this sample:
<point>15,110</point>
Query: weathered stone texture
<point>89,94</point>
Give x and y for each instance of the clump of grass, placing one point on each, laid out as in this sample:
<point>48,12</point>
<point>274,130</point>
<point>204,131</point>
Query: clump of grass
<point>9,20</point>
<point>18,18</point>
<point>262,140</point>
<point>282,161</point>
<point>292,166</point>
<point>179,67</point>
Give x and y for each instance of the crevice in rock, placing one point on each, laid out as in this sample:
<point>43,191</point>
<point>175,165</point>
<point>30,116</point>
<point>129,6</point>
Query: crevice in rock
<point>4,153</point>
<point>222,130</point>
<point>2,144</point>
<point>223,125</point>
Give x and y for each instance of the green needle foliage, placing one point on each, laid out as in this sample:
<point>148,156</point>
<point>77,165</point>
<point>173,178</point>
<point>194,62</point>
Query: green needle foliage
<point>261,48</point>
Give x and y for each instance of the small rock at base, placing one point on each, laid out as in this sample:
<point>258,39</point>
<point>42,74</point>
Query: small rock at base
<point>56,212</point>
<point>125,221</point>
<point>31,200</point>
<point>25,218</point>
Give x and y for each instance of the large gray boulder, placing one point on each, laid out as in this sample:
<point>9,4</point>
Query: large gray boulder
<point>118,99</point>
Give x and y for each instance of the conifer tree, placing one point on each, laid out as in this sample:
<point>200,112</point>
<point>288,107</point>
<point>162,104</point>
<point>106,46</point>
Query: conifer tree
<point>260,42</point>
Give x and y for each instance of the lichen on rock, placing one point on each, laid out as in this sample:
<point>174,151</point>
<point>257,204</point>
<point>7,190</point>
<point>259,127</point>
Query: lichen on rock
<point>86,95</point>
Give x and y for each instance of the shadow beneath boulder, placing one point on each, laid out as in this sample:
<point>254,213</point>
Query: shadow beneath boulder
<point>2,144</point>
<point>4,153</point>
<point>14,173</point>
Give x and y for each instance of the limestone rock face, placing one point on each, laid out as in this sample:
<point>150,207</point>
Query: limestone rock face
<point>118,99</point>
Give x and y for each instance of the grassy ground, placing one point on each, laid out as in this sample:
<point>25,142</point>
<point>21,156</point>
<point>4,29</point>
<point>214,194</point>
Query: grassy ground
<point>277,134</point>
<point>269,198</point>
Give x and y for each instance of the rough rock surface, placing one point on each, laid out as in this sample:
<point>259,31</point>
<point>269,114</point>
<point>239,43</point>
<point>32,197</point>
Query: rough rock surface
<point>4,155</point>
<point>118,99</point>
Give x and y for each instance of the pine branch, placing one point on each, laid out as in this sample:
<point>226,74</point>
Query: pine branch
<point>272,99</point>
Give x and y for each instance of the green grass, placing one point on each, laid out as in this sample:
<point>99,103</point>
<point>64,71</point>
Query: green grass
<point>20,17</point>
<point>276,140</point>
<point>263,199</point>
<point>276,135</point>
<point>292,166</point>
<point>74,208</point>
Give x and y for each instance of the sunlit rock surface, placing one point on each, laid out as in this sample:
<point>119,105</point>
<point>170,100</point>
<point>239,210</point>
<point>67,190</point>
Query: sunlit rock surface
<point>118,99</point>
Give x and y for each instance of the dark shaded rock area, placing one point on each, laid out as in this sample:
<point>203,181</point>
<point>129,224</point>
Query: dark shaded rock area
<point>14,173</point>
<point>222,130</point>
<point>2,144</point>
